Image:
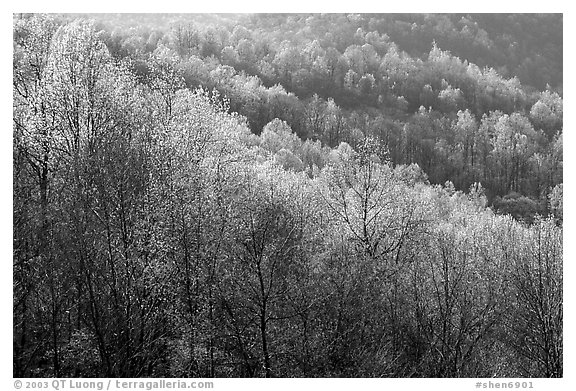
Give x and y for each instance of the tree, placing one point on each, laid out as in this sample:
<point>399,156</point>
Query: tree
<point>465,129</point>
<point>451,98</point>
<point>34,168</point>
<point>315,116</point>
<point>556,198</point>
<point>288,160</point>
<point>513,143</point>
<point>546,113</point>
<point>265,260</point>
<point>334,124</point>
<point>277,135</point>
<point>536,325</point>
<point>364,195</point>
<point>196,182</point>
<point>186,39</point>
<point>287,62</point>
<point>164,78</point>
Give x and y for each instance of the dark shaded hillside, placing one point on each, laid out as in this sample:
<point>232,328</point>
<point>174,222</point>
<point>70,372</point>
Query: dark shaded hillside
<point>529,46</point>
<point>525,45</point>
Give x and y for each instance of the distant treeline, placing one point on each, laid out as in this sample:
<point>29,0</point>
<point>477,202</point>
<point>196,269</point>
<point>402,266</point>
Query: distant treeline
<point>455,94</point>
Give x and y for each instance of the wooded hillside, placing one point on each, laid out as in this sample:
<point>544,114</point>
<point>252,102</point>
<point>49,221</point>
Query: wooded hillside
<point>287,195</point>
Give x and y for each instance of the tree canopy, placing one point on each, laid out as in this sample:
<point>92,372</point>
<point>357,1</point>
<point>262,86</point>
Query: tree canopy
<point>287,196</point>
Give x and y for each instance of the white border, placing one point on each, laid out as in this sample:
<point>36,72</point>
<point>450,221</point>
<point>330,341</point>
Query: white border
<point>245,6</point>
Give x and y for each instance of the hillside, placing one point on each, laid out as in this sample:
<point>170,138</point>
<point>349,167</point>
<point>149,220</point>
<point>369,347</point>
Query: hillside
<point>287,196</point>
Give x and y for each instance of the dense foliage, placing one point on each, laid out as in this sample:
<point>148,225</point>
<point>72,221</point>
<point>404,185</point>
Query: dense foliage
<point>286,195</point>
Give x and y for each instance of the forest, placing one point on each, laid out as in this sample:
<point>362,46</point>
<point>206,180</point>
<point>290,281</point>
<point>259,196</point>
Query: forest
<point>287,195</point>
